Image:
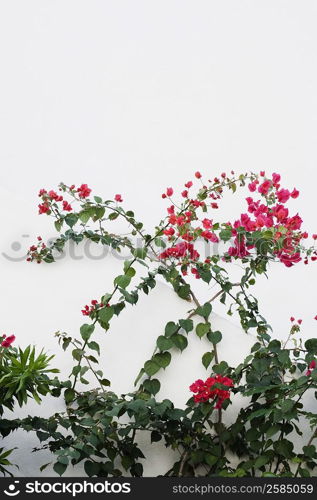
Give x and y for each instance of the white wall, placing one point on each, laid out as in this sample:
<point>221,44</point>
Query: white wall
<point>132,97</point>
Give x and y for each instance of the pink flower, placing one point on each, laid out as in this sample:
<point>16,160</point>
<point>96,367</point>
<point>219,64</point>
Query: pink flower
<point>83,191</point>
<point>169,191</point>
<point>197,175</point>
<point>283,195</point>
<point>264,187</point>
<point>299,321</point>
<point>315,318</point>
<point>294,193</point>
<point>42,192</point>
<point>252,186</point>
<point>185,193</point>
<point>262,173</point>
<point>276,178</point>
<point>292,319</point>
<point>54,196</point>
<point>118,198</point>
<point>66,206</point>
<point>314,236</point>
<point>207,223</point>
<point>44,208</point>
<point>188,184</point>
<point>8,341</point>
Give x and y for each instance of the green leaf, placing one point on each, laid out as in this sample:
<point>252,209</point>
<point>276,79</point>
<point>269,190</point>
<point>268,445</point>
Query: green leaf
<point>151,367</point>
<point>59,468</point>
<point>214,337</point>
<point>272,430</point>
<point>221,368</point>
<point>98,199</point>
<point>170,328</point>
<point>287,405</point>
<point>94,346</point>
<point>202,329</point>
<point>207,359</point>
<point>163,359</point>
<point>309,451</point>
<point>283,357</point>
<point>183,292</point>
<point>122,281</point>
<point>164,343</point>
<point>211,459</point>
<point>58,224</point>
<point>152,386</point>
<point>284,447</point>
<point>140,253</point>
<point>84,216</point>
<point>127,461</point>
<point>311,345</point>
<point>225,234</point>
<point>91,468</point>
<point>69,395</point>
<point>261,460</point>
<point>105,382</point>
<point>204,310</point>
<point>179,341</point>
<point>71,219</point>
<point>186,324</point>
<point>86,331</point>
<point>105,314</point>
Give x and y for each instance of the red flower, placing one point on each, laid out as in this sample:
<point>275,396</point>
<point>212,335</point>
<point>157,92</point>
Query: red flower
<point>264,187</point>
<point>169,192</point>
<point>185,193</point>
<point>214,205</point>
<point>188,184</point>
<point>207,223</point>
<point>295,193</point>
<point>299,321</point>
<point>315,318</point>
<point>252,186</point>
<point>283,195</point>
<point>314,236</point>
<point>54,196</point>
<point>276,178</point>
<point>118,198</point>
<point>197,175</point>
<point>43,208</point>
<point>8,341</point>
<point>83,191</point>
<point>311,366</point>
<point>66,206</point>
<point>42,192</point>
<point>207,390</point>
<point>292,319</point>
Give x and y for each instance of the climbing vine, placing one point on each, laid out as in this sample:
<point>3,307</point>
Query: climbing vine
<point>273,378</point>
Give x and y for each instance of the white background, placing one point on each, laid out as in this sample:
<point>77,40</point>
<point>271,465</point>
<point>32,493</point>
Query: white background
<point>131,97</point>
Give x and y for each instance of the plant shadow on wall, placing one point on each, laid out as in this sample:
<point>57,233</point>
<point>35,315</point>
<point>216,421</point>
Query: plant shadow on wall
<point>100,428</point>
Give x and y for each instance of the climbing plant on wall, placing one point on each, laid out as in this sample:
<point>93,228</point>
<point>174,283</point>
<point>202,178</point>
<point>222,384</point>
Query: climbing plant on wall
<point>273,378</point>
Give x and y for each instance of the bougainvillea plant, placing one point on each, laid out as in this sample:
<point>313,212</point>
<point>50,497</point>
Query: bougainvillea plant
<point>273,378</point>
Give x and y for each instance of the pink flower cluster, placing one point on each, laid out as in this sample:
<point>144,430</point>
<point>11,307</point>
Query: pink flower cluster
<point>268,215</point>
<point>51,198</point>
<point>92,308</point>
<point>35,251</point>
<point>206,390</point>
<point>7,341</point>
